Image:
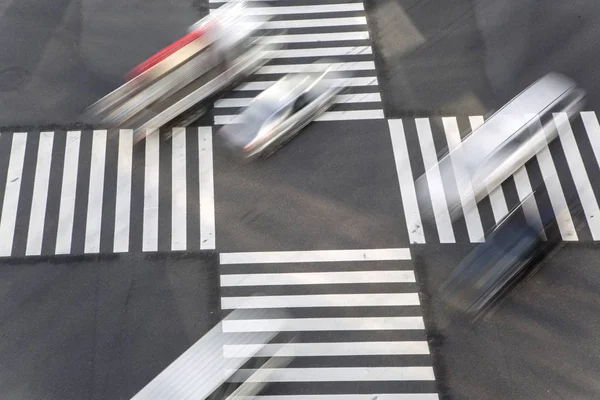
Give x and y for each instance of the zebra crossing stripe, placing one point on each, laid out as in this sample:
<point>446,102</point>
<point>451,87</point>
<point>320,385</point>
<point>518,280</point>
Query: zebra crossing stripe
<point>178,191</point>
<point>123,201</point>
<point>67,198</point>
<point>40,195</point>
<point>96,191</point>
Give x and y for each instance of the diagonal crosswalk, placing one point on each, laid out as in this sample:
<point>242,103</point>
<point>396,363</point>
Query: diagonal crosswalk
<point>568,167</point>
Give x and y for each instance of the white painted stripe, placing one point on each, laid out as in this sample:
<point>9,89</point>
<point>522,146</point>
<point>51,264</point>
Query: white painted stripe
<point>123,200</point>
<point>319,52</point>
<point>326,116</point>
<point>151,182</point>
<point>496,195</point>
<point>360,81</point>
<point>532,213</point>
<point>325,349</point>
<point>372,396</point>
<point>317,278</point>
<point>207,191</point>
<point>39,199</point>
<point>555,191</point>
<point>349,374</point>
<point>350,115</point>
<point>406,182</point>
<point>319,37</point>
<point>321,300</point>
<point>93,224</point>
<point>67,198</point>
<point>178,192</point>
<point>313,9</point>
<point>12,191</point>
<point>438,202</point>
<point>315,256</point>
<point>316,67</point>
<point>315,23</point>
<point>592,129</point>
<point>469,206</point>
<point>579,174</point>
<point>324,324</point>
<point>340,99</point>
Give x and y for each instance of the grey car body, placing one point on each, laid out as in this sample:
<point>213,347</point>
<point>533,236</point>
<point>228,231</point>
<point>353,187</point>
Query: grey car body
<point>500,146</point>
<point>281,111</point>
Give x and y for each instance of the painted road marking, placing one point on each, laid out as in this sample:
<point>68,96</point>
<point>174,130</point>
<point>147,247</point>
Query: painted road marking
<point>123,200</point>
<point>178,191</point>
<point>317,278</point>
<point>322,300</point>
<point>360,374</point>
<point>40,195</point>
<point>331,349</point>
<point>207,195</point>
<point>93,225</point>
<point>315,256</point>
<point>151,193</point>
<point>68,193</point>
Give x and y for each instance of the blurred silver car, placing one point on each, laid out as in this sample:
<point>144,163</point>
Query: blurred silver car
<point>500,146</point>
<point>281,111</point>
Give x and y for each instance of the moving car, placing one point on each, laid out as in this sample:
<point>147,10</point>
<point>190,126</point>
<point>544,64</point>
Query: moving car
<point>276,115</point>
<point>516,247</point>
<point>500,146</point>
<point>218,52</point>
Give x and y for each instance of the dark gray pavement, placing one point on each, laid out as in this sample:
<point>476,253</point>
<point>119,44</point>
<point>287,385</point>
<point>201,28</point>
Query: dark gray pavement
<point>469,57</point>
<point>100,327</point>
<point>540,344</point>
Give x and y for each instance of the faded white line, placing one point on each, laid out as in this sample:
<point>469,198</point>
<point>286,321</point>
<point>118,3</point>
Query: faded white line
<point>320,52</point>
<point>123,199</point>
<point>469,206</point>
<point>406,182</point>
<point>151,182</point>
<point>316,67</point>
<point>321,300</point>
<point>324,324</point>
<point>207,195</point>
<point>579,174</point>
<point>319,37</point>
<point>335,349</point>
<point>339,374</point>
<point>67,198</point>
<point>321,8</point>
<point>360,81</point>
<point>317,278</point>
<point>314,23</point>
<point>39,199</point>
<point>12,191</point>
<point>315,256</point>
<point>350,115</point>
<point>434,181</point>
<point>93,224</point>
<point>340,99</point>
<point>178,191</point>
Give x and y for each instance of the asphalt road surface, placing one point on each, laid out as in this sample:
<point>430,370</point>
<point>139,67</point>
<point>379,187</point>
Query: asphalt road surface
<point>343,185</point>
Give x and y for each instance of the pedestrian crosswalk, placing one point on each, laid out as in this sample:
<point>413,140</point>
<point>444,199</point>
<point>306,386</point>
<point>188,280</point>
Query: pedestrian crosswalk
<point>356,314</point>
<point>80,192</point>
<point>314,29</point>
<point>568,168</point>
